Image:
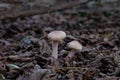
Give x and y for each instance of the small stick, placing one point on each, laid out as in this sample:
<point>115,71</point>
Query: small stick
<point>11,1</point>
<point>17,58</point>
<point>70,68</point>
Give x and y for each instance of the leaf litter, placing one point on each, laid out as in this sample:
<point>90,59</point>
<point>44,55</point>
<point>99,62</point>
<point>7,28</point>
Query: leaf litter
<point>25,50</point>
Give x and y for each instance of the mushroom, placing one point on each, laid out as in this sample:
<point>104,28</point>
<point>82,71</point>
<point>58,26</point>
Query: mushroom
<point>75,46</point>
<point>55,37</point>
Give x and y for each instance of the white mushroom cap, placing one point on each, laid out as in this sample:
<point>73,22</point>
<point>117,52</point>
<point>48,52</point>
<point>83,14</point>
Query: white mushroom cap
<point>56,35</point>
<point>74,45</point>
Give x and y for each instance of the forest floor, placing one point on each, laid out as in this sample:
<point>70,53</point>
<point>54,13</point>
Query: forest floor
<point>25,50</point>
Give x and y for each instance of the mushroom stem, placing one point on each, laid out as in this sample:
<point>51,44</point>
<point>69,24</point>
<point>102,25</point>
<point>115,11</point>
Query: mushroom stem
<point>54,57</point>
<point>55,49</point>
<point>70,55</point>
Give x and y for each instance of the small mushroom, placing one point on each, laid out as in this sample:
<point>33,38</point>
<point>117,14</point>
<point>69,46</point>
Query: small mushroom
<point>55,37</point>
<point>75,46</point>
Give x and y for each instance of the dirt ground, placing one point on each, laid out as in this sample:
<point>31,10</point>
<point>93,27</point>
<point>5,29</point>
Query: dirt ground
<point>25,50</point>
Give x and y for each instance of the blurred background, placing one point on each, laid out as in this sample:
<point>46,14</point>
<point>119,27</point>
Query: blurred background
<point>18,6</point>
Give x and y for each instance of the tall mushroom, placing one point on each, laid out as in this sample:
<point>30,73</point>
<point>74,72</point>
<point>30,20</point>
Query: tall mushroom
<point>55,37</point>
<point>75,46</point>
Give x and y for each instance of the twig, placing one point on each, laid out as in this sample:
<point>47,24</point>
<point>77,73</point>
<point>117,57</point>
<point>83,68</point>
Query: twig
<point>17,58</point>
<point>70,68</point>
<point>11,1</point>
